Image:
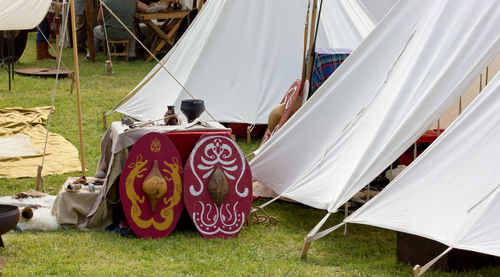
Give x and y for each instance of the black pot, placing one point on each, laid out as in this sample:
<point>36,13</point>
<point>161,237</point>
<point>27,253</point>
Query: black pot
<point>192,108</point>
<point>9,217</point>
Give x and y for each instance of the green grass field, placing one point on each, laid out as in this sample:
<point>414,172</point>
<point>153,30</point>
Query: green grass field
<point>258,250</point>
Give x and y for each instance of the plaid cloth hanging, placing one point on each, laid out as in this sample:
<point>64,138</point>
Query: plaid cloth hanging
<point>326,61</point>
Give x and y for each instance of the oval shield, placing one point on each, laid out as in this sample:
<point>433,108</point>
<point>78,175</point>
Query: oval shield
<point>151,186</point>
<point>217,187</point>
<point>289,101</point>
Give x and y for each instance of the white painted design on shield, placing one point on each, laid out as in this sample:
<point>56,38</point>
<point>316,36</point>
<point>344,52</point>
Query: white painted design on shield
<point>218,151</point>
<point>230,219</point>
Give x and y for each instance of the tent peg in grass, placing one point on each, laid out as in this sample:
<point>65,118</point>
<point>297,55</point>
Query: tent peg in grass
<point>249,138</point>
<point>418,271</point>
<point>39,179</point>
<point>70,75</point>
<point>104,116</point>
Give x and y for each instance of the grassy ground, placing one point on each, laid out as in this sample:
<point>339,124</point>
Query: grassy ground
<point>258,250</point>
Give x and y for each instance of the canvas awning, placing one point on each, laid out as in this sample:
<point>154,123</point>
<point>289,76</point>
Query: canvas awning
<point>451,193</point>
<point>403,76</point>
<point>22,14</point>
<point>241,56</point>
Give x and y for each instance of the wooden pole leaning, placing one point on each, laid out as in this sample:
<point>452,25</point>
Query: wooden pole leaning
<point>306,29</point>
<point>486,77</point>
<point>89,29</point>
<point>310,56</point>
<point>480,82</point>
<point>77,81</point>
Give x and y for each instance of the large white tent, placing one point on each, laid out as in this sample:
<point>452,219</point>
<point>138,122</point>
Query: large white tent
<point>378,8</point>
<point>22,14</point>
<point>451,193</point>
<point>241,56</point>
<point>418,60</point>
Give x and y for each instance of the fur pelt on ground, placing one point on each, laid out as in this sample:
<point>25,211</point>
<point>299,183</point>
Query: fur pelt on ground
<point>42,219</point>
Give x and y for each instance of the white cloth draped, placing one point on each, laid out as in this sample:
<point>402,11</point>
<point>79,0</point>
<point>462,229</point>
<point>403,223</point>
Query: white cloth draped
<point>241,56</point>
<point>451,193</point>
<point>22,14</point>
<point>402,77</point>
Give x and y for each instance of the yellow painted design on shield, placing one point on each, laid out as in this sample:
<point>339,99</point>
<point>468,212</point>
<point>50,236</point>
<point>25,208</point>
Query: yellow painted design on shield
<point>167,213</point>
<point>155,145</point>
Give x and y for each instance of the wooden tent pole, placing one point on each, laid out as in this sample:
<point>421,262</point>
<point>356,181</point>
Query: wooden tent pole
<point>89,29</point>
<point>486,81</point>
<point>310,56</point>
<point>306,29</point>
<point>480,82</point>
<point>77,81</point>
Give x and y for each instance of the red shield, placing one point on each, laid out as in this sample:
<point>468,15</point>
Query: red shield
<point>219,207</point>
<point>289,100</point>
<point>153,165</point>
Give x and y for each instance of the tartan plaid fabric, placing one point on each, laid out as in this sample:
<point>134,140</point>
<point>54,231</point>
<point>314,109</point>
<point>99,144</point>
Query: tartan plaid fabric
<point>326,61</point>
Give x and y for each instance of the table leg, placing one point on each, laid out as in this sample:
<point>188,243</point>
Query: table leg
<point>157,49</point>
<point>171,33</point>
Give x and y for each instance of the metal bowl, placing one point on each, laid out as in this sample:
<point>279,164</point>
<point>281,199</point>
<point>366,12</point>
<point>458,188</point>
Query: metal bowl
<point>9,217</point>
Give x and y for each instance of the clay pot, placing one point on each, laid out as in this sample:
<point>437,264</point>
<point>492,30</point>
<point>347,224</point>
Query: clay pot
<point>192,108</point>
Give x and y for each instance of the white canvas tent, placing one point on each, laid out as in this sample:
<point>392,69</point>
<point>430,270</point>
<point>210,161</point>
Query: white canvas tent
<point>241,56</point>
<point>22,14</point>
<point>451,193</point>
<point>378,8</point>
<point>418,60</point>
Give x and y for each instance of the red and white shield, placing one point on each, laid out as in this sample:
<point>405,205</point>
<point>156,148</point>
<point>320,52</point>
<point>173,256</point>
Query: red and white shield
<point>152,215</point>
<point>217,187</point>
<point>289,100</point>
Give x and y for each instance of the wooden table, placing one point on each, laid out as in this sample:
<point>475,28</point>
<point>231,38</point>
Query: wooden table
<point>165,32</point>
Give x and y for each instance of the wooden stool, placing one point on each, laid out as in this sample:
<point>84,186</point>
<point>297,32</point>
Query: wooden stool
<point>114,47</point>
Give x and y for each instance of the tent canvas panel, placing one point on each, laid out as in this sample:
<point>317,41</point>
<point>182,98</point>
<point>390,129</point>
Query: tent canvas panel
<point>451,192</point>
<point>432,52</point>
<point>240,57</point>
<point>22,14</point>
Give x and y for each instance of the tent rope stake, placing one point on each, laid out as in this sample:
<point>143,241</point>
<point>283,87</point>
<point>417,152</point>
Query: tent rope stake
<point>152,55</point>
<point>311,236</point>
<point>346,213</point>
<point>418,271</point>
